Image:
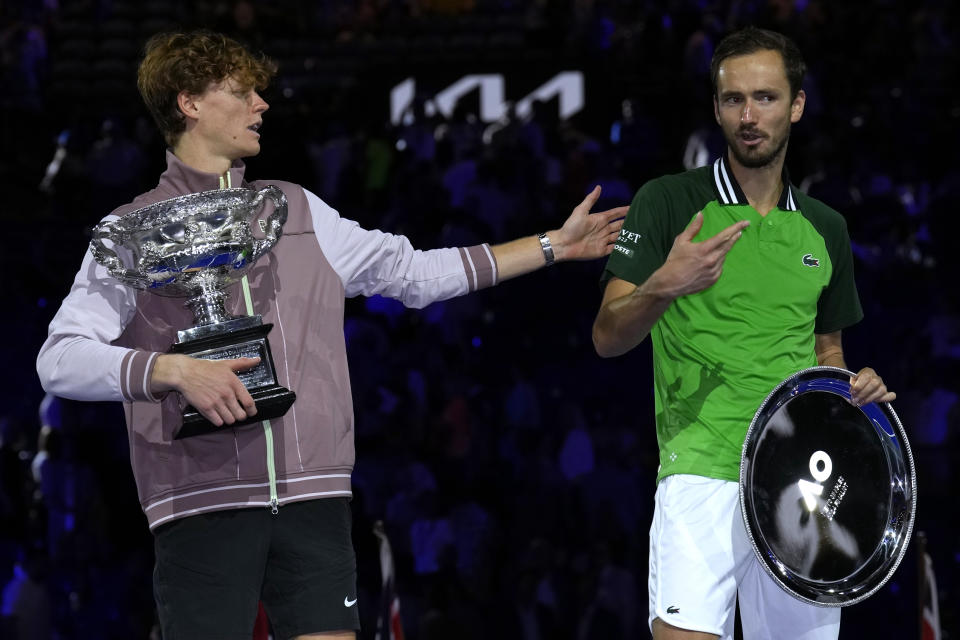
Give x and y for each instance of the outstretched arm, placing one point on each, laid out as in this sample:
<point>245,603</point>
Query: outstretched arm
<point>372,262</point>
<point>583,236</point>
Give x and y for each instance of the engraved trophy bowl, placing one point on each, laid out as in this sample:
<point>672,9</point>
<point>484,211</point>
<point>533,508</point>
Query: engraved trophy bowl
<point>195,246</point>
<point>828,490</point>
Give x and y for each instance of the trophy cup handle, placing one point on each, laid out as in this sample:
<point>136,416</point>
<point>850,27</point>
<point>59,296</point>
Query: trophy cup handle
<point>275,221</point>
<point>108,258</point>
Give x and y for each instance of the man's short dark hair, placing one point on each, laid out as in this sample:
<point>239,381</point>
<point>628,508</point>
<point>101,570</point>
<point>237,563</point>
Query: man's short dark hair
<point>750,40</point>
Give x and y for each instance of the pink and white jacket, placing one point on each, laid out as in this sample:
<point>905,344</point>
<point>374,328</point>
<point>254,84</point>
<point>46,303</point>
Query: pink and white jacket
<point>105,338</point>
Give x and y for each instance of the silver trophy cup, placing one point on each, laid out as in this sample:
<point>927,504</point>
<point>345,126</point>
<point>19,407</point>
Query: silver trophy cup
<point>194,246</point>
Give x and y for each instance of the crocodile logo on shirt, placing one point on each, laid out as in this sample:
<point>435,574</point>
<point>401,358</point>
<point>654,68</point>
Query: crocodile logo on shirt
<point>673,609</point>
<point>810,261</point>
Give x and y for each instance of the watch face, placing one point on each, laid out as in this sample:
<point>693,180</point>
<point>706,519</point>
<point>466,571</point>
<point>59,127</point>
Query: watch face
<point>827,489</point>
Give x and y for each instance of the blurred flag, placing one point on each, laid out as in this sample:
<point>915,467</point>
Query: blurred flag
<point>929,604</point>
<point>261,626</point>
<point>389,626</point>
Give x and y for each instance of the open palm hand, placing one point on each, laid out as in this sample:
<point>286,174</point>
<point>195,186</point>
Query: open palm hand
<point>585,235</point>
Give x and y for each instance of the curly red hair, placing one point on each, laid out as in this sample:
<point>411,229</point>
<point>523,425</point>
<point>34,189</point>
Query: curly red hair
<point>191,62</point>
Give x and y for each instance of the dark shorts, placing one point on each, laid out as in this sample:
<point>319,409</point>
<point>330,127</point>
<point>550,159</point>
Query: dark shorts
<point>212,569</point>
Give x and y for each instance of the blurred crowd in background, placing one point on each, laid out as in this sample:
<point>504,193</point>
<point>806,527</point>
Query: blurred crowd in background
<point>513,468</point>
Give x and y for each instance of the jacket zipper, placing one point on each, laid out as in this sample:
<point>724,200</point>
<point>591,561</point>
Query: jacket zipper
<point>271,471</point>
<point>267,428</point>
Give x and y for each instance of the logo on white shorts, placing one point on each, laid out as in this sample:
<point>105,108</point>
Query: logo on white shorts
<point>347,602</point>
<point>673,610</point>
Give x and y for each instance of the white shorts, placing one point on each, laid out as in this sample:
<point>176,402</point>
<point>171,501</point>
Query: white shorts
<point>700,556</point>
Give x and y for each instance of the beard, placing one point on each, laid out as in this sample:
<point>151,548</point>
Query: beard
<point>754,159</point>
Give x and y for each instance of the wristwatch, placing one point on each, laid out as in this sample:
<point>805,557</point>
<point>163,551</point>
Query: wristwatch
<point>547,249</point>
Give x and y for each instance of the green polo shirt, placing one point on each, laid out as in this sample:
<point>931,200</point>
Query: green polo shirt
<point>719,352</point>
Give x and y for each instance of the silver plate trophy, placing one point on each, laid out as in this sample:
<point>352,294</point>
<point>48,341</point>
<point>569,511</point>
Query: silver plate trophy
<point>827,489</point>
<point>195,246</point>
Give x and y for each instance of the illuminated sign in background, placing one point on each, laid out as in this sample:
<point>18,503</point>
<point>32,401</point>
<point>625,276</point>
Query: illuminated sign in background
<point>566,86</point>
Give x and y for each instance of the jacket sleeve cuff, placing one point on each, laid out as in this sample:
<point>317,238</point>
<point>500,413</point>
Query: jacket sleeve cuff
<point>479,265</point>
<point>136,370</point>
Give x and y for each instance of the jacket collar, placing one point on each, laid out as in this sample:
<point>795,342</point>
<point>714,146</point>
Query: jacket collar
<point>180,178</point>
<point>729,192</point>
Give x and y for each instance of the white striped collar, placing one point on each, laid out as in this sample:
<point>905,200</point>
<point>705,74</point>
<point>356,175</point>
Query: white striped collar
<point>729,192</point>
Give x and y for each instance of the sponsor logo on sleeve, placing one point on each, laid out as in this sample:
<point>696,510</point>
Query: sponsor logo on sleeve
<point>810,261</point>
<point>626,239</point>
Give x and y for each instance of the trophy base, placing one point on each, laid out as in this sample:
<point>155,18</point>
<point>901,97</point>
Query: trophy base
<point>272,402</point>
<point>272,399</point>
